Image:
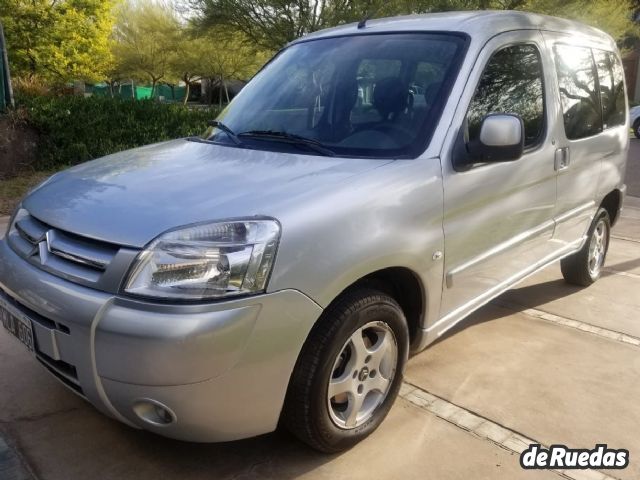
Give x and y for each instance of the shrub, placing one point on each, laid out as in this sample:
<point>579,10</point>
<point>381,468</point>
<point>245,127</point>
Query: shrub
<point>76,129</point>
<point>30,86</point>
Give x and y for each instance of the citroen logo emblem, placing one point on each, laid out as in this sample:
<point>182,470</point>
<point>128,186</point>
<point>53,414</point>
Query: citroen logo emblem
<point>34,250</point>
<point>43,250</point>
<point>41,247</point>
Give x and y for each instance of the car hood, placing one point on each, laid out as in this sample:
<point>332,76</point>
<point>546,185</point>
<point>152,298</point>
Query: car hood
<point>131,197</point>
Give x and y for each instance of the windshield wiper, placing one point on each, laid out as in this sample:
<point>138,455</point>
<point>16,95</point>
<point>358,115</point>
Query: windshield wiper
<point>311,143</point>
<point>230,133</point>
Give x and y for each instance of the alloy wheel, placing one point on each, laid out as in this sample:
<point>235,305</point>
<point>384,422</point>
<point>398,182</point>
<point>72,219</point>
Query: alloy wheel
<point>362,375</point>
<point>598,248</point>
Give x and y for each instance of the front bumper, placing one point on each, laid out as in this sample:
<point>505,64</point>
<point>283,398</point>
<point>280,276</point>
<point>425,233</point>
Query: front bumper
<point>220,369</point>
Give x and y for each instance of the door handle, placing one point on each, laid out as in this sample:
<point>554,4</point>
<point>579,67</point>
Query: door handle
<point>562,159</point>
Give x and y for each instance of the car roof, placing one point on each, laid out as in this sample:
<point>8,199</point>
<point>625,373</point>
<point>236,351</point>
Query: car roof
<point>479,25</point>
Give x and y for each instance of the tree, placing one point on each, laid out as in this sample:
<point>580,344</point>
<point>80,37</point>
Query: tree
<point>58,40</point>
<point>186,61</point>
<point>226,56</point>
<point>117,71</point>
<point>273,23</point>
<point>613,16</point>
<point>146,38</point>
<point>217,55</point>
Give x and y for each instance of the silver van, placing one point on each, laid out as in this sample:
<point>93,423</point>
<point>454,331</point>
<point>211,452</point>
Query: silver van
<point>369,188</point>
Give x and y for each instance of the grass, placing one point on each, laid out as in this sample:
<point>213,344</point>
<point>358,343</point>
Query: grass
<point>12,190</point>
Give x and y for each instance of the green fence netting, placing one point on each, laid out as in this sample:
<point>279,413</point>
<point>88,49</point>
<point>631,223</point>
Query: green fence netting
<point>175,94</point>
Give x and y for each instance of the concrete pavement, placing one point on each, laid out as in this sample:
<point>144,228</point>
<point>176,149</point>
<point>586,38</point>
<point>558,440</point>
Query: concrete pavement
<point>507,365</point>
<point>633,168</point>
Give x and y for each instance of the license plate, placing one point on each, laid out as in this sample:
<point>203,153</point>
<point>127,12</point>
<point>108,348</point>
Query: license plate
<point>20,328</point>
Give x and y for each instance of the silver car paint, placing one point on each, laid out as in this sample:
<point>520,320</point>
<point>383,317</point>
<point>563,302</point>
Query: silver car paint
<point>132,197</point>
<point>222,368</point>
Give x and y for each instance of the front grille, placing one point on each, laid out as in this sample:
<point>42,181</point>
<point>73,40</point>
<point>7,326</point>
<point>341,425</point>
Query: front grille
<point>63,371</point>
<point>34,316</point>
<point>62,253</point>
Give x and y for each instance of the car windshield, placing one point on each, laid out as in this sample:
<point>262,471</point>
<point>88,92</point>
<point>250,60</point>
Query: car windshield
<point>374,96</point>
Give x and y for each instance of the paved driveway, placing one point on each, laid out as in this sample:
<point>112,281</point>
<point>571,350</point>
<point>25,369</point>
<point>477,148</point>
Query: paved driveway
<point>633,168</point>
<point>545,362</point>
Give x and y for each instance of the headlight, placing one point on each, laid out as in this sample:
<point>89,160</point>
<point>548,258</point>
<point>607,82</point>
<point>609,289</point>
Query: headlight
<point>207,261</point>
<point>18,214</point>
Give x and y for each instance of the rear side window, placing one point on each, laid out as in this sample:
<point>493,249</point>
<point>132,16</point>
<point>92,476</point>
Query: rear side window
<point>612,96</point>
<point>511,83</point>
<point>578,91</point>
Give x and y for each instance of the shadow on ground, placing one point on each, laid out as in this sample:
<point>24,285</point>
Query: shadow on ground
<point>115,451</point>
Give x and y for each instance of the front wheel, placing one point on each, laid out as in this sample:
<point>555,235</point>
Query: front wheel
<point>349,371</point>
<point>584,267</point>
<point>636,128</point>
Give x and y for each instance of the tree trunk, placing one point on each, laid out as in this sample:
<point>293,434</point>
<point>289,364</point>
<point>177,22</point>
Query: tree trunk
<point>6,82</point>
<point>220,92</point>
<point>226,92</point>
<point>210,91</point>
<point>186,92</point>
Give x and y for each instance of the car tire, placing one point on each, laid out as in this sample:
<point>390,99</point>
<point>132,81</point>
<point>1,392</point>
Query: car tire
<point>585,267</point>
<point>365,381</point>
<point>636,128</point>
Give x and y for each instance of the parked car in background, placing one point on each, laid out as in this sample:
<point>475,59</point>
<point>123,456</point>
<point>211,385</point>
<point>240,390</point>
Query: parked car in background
<point>372,186</point>
<point>634,115</point>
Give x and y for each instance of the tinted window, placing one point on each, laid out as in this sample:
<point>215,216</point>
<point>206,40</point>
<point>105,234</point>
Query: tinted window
<point>511,83</point>
<point>370,73</point>
<point>369,95</point>
<point>381,86</point>
<point>580,98</point>
<point>612,96</point>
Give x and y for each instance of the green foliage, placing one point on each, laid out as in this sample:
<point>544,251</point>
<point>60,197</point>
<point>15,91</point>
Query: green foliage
<point>612,16</point>
<point>273,23</point>
<point>216,55</point>
<point>228,55</point>
<point>152,44</point>
<point>58,41</point>
<point>76,129</point>
<point>146,37</point>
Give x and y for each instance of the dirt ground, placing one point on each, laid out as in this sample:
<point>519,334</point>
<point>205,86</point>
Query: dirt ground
<point>18,144</point>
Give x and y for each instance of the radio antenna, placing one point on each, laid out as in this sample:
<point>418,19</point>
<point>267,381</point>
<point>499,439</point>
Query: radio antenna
<point>363,23</point>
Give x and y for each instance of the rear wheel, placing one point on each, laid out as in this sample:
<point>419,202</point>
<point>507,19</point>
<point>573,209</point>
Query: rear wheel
<point>636,128</point>
<point>584,267</point>
<point>349,371</point>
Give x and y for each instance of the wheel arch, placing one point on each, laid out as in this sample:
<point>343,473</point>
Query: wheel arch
<point>612,203</point>
<point>405,287</point>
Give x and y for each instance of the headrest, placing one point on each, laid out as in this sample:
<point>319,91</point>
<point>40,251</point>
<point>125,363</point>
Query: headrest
<point>431,92</point>
<point>390,96</point>
<point>346,95</point>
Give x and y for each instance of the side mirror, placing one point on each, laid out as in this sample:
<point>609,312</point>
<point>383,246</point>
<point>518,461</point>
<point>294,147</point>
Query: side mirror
<point>501,139</point>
